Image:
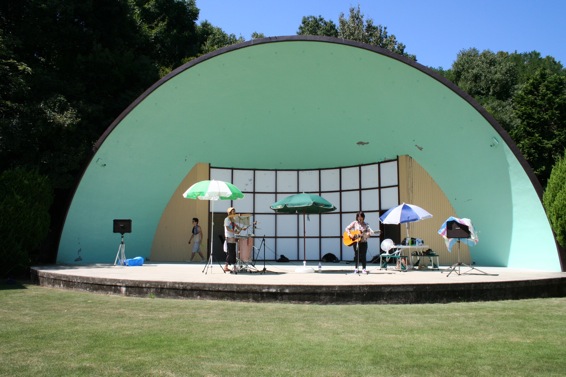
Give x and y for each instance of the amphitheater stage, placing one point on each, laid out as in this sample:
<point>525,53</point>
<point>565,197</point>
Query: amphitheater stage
<point>285,282</point>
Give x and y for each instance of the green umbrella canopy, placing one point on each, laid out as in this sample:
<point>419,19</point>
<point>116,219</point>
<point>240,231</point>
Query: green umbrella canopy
<point>303,203</point>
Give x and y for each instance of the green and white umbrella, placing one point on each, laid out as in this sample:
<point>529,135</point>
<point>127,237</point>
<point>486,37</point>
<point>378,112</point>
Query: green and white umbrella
<point>213,190</point>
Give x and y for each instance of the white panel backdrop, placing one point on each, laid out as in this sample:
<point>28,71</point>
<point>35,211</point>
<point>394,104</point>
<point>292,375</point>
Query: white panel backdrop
<point>370,188</point>
<point>330,180</point>
<point>265,181</point>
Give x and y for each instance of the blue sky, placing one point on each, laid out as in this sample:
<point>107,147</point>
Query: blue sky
<point>433,30</point>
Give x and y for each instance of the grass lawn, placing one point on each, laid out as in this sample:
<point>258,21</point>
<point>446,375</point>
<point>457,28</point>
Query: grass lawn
<point>52,332</point>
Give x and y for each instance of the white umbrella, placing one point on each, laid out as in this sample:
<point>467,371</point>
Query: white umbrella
<point>404,214</point>
<point>212,190</point>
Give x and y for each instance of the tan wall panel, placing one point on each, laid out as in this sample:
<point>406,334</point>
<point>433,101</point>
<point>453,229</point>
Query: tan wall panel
<point>170,243</point>
<point>417,187</point>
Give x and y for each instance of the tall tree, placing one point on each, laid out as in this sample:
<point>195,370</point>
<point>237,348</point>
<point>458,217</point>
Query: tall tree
<point>28,124</point>
<point>528,63</point>
<point>554,200</point>
<point>88,61</point>
<point>491,78</point>
<point>485,74</point>
<point>540,107</point>
<point>171,27</point>
<point>355,28</point>
<point>212,38</point>
<point>257,35</point>
<point>312,25</point>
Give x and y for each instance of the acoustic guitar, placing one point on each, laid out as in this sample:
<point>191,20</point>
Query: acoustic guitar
<point>355,238</point>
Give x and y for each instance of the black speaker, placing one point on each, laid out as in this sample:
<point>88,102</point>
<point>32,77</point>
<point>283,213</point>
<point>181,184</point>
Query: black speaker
<point>122,226</point>
<point>455,229</point>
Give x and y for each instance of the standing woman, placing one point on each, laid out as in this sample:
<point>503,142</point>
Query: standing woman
<point>361,246</point>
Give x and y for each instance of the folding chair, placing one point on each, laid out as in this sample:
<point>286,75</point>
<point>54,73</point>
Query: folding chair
<point>390,252</point>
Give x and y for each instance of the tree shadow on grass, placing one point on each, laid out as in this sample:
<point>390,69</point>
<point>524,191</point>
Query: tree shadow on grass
<point>10,283</point>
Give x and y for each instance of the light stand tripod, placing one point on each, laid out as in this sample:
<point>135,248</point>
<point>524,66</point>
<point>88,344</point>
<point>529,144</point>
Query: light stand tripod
<point>121,254</point>
<point>210,262</point>
<point>459,231</point>
<point>456,266</point>
<point>121,226</point>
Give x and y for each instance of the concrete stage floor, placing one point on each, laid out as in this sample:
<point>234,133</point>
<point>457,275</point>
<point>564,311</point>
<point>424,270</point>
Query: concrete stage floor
<point>281,282</point>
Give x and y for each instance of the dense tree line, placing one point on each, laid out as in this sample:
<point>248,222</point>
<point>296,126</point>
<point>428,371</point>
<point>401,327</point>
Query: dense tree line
<point>69,68</point>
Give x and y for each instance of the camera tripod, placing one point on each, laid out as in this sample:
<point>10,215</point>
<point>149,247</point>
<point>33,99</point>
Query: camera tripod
<point>121,254</point>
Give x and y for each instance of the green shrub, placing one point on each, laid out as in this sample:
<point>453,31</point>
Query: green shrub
<point>25,199</point>
<point>554,200</point>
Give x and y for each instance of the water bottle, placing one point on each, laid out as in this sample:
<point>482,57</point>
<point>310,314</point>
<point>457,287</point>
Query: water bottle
<point>319,267</point>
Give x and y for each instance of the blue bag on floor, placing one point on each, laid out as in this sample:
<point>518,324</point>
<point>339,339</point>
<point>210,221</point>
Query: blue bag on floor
<point>137,261</point>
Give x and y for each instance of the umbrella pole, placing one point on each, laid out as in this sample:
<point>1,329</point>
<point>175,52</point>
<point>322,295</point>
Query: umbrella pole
<point>304,268</point>
<point>304,240</point>
<point>209,263</point>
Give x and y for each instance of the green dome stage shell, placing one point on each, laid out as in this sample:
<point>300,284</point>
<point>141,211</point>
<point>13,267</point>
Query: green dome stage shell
<point>305,103</point>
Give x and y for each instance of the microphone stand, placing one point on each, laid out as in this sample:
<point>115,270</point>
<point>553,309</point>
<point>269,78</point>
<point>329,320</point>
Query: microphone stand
<point>357,251</point>
<point>263,243</point>
<point>258,252</point>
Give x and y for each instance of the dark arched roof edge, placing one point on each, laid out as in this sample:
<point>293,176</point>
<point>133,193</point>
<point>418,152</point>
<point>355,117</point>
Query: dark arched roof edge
<point>488,117</point>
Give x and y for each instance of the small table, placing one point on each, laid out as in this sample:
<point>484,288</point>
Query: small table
<point>410,249</point>
<point>403,248</point>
